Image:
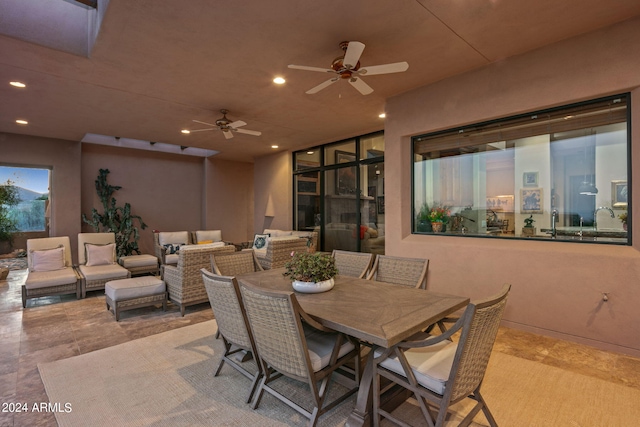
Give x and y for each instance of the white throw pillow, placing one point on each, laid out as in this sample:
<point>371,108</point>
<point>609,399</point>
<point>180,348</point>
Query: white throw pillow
<point>48,259</point>
<point>100,254</point>
<point>260,242</point>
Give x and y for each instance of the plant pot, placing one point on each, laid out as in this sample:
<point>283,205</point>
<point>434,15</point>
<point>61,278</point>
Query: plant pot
<point>423,226</point>
<point>437,226</point>
<point>312,287</point>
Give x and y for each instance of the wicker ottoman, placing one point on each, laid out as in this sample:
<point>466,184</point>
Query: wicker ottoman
<point>140,264</point>
<point>128,294</point>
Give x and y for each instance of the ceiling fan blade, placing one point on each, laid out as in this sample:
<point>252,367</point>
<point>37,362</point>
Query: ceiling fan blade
<point>322,86</point>
<point>360,85</point>
<point>304,67</point>
<point>396,67</point>
<point>236,124</point>
<point>352,56</point>
<point>249,132</point>
<point>200,130</point>
<point>204,123</point>
<point>227,134</point>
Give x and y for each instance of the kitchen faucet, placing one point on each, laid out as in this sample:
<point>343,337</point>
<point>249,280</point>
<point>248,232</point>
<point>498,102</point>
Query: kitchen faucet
<point>595,215</point>
<point>554,221</point>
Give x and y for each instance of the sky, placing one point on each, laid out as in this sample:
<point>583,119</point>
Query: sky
<point>32,179</point>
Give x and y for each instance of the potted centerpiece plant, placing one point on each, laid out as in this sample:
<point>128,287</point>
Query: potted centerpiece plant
<point>311,273</point>
<point>439,215</point>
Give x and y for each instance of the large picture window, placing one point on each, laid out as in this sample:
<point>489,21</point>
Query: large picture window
<point>559,174</point>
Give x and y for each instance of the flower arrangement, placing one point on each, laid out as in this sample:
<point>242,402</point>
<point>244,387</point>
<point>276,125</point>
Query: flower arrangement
<point>623,217</point>
<point>439,214</point>
<point>307,267</point>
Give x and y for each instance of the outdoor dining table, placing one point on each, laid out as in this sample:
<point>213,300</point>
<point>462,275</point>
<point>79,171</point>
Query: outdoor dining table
<point>381,314</point>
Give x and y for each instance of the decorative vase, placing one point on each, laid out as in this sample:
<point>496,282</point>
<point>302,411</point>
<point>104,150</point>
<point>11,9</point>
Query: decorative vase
<point>312,287</point>
<point>437,226</point>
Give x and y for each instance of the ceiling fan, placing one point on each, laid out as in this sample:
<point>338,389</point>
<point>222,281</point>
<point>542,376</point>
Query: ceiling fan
<point>227,126</point>
<point>347,67</point>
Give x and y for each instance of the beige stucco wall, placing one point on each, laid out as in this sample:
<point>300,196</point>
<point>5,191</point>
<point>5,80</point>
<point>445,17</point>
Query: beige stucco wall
<point>557,287</point>
<point>272,177</point>
<point>63,157</point>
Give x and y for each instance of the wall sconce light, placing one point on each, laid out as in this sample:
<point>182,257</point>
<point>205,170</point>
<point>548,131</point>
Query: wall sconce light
<point>270,210</point>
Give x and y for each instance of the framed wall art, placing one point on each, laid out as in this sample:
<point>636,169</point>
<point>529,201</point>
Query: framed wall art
<point>530,179</point>
<point>531,200</point>
<point>619,194</point>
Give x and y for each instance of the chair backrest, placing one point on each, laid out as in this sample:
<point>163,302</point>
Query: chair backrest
<point>480,323</point>
<point>192,258</point>
<point>401,271</point>
<point>226,302</point>
<point>94,239</point>
<point>275,323</point>
<point>50,243</point>
<point>209,236</point>
<point>353,264</point>
<point>162,238</point>
<point>233,264</point>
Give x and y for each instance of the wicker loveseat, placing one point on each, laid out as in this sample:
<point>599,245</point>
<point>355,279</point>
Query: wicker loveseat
<point>280,245</point>
<point>184,280</point>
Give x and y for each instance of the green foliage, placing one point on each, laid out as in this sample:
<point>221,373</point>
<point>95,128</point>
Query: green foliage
<point>8,197</point>
<point>115,219</point>
<point>307,267</point>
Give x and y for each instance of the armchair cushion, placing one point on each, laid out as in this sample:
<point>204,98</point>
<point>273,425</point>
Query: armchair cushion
<point>102,272</point>
<point>213,235</point>
<point>277,233</point>
<point>46,279</point>
<point>174,237</point>
<point>48,259</point>
<point>100,254</point>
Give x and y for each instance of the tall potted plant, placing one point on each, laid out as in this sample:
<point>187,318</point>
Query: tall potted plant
<point>8,225</point>
<point>115,219</point>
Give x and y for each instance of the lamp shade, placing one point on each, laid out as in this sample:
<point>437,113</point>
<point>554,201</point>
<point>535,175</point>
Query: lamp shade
<point>587,189</point>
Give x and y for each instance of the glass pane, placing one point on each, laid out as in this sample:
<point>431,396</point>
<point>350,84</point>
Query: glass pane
<point>555,175</point>
<point>340,210</point>
<point>372,209</point>
<point>340,153</point>
<point>307,198</point>
<point>307,159</point>
<point>372,146</point>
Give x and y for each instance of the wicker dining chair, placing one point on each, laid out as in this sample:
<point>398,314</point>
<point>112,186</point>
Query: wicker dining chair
<point>226,302</point>
<point>233,264</point>
<point>310,354</point>
<point>401,271</point>
<point>441,372</point>
<point>353,264</point>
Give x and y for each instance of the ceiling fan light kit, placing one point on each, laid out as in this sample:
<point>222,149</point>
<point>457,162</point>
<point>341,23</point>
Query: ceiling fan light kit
<point>347,67</point>
<point>227,126</point>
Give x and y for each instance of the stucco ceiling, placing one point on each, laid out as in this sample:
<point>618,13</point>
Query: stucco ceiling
<point>157,65</point>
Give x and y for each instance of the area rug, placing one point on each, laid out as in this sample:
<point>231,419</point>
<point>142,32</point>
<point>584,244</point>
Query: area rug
<point>14,263</point>
<point>167,380</point>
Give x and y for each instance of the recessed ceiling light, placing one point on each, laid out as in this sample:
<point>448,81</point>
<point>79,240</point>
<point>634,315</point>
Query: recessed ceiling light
<point>185,131</point>
<point>279,80</point>
<point>22,122</point>
<point>17,84</point>
<point>274,146</point>
<point>309,152</point>
<point>382,115</point>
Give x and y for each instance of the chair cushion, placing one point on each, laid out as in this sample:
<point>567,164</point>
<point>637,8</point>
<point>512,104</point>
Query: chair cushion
<point>45,279</point>
<point>320,345</point>
<point>179,237</point>
<point>171,259</point>
<point>431,365</point>
<point>214,235</point>
<point>48,259</point>
<point>100,254</point>
<point>277,233</point>
<point>136,287</point>
<point>133,261</point>
<point>102,272</point>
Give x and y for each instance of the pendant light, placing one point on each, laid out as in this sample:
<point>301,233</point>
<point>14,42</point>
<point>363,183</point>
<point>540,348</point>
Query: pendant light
<point>588,188</point>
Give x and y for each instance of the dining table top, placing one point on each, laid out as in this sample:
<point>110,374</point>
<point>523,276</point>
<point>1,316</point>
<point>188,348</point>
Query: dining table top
<point>379,313</point>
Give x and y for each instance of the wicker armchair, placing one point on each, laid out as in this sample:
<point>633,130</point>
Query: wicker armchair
<point>441,372</point>
<point>279,251</point>
<point>232,264</point>
<point>94,277</point>
<point>226,302</point>
<point>353,264</point>
<point>401,271</point>
<point>304,354</point>
<point>162,238</point>
<point>184,281</point>
<point>48,282</point>
<point>205,236</point>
